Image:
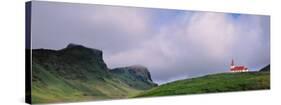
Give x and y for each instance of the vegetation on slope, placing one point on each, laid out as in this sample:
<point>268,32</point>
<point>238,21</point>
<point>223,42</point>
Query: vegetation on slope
<point>223,82</point>
<point>76,73</point>
<point>139,76</point>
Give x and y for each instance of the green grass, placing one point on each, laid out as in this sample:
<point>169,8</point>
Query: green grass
<point>48,86</point>
<point>224,82</point>
<point>80,74</point>
<point>133,81</point>
<point>56,89</point>
<point>77,73</point>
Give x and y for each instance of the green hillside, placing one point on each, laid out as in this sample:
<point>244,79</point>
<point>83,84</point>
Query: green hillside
<point>139,76</point>
<point>77,73</point>
<point>224,82</point>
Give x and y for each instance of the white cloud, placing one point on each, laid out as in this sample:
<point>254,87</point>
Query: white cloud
<point>212,32</point>
<point>131,20</point>
<point>197,43</point>
<point>205,44</point>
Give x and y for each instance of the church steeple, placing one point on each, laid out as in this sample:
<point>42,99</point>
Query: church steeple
<point>236,68</point>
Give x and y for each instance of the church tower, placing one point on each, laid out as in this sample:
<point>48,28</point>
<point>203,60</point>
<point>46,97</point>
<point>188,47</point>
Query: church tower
<point>232,64</point>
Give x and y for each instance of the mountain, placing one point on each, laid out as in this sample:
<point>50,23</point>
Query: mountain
<point>78,73</point>
<point>136,76</point>
<point>222,82</point>
<point>265,69</point>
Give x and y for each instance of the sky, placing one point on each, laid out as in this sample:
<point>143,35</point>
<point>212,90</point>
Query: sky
<point>172,44</point>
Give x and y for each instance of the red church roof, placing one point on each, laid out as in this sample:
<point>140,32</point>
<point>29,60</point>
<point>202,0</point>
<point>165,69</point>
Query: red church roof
<point>238,68</point>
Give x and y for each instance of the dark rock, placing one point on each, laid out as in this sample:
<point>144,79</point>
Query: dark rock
<point>265,69</point>
<point>137,73</point>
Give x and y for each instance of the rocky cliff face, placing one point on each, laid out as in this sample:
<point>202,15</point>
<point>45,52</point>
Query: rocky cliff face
<point>139,75</point>
<point>80,73</point>
<point>71,62</point>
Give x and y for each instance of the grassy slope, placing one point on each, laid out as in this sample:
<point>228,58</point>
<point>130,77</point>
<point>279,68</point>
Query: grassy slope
<point>53,88</point>
<point>223,82</point>
<point>74,75</point>
<point>80,75</point>
<point>134,81</point>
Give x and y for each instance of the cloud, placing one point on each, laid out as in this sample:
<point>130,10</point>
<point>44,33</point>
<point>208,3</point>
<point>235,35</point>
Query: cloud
<point>173,44</point>
<point>205,44</point>
<point>108,28</point>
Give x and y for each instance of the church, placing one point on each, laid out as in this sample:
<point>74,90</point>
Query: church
<point>234,68</point>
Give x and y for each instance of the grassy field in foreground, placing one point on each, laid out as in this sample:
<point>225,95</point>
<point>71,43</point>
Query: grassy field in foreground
<point>223,82</point>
